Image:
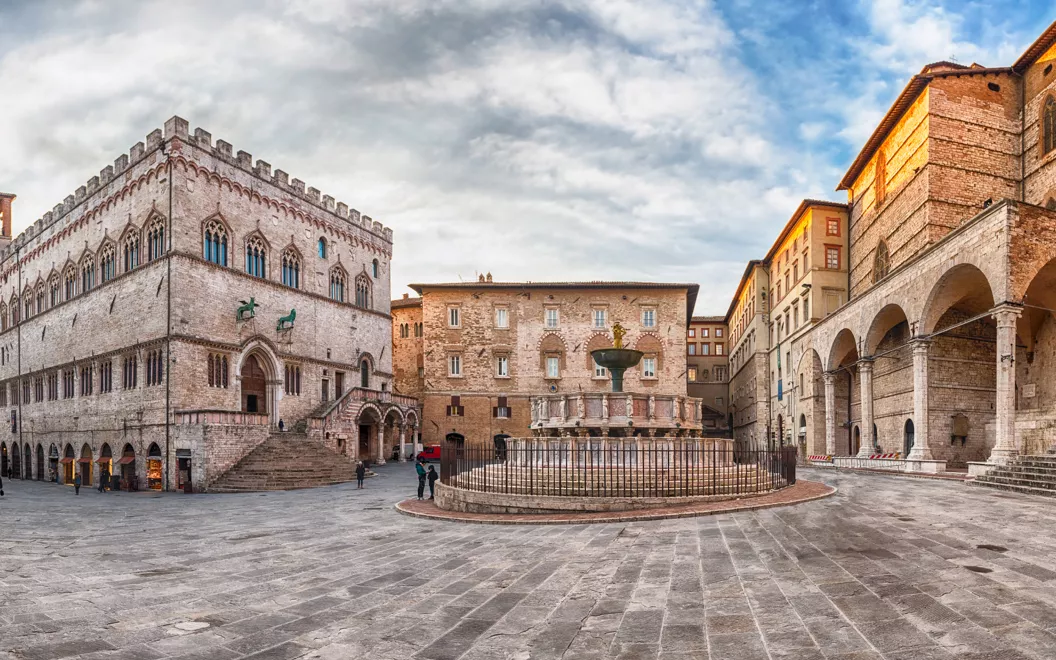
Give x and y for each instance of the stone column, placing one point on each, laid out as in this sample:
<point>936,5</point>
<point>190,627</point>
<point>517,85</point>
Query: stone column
<point>865,378</point>
<point>381,443</point>
<point>403,441</point>
<point>920,451</point>
<point>1005,447</point>
<point>830,413</point>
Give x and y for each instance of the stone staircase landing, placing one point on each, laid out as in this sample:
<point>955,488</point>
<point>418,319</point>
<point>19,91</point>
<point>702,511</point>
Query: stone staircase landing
<point>286,461</point>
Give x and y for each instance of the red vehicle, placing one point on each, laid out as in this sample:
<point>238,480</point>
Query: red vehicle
<point>430,453</point>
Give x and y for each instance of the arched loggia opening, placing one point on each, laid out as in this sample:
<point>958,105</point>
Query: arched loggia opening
<point>887,342</point>
<point>1036,362</point>
<point>843,359</point>
<point>40,463</point>
<point>68,460</point>
<point>962,359</point>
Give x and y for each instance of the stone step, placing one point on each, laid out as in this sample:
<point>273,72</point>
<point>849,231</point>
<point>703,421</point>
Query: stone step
<point>1026,471</point>
<point>1026,490</point>
<point>1017,481</point>
<point>286,461</point>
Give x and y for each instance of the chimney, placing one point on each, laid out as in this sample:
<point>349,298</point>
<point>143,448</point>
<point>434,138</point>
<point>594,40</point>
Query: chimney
<point>5,214</point>
<point>405,296</point>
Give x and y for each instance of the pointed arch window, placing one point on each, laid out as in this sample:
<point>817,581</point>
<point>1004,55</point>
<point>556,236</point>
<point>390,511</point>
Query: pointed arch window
<point>131,251</point>
<point>363,291</point>
<point>53,291</point>
<point>155,239</point>
<point>880,178</point>
<point>255,257</point>
<point>881,262</point>
<point>1048,125</point>
<point>374,269</point>
<point>40,298</point>
<point>337,285</point>
<point>291,268</point>
<point>215,243</point>
<point>322,248</point>
<point>87,275</point>
<point>69,282</point>
<point>14,311</point>
<point>4,320</point>
<point>108,262</point>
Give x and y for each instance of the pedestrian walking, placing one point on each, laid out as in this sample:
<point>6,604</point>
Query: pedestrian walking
<point>1,486</point>
<point>103,479</point>
<point>77,484</point>
<point>432,476</point>
<point>420,469</point>
<point>361,472</point>
<point>282,425</point>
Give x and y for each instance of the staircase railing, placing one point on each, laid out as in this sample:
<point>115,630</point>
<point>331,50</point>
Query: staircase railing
<point>321,419</point>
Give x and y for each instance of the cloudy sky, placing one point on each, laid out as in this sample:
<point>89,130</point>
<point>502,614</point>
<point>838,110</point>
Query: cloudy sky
<point>581,139</point>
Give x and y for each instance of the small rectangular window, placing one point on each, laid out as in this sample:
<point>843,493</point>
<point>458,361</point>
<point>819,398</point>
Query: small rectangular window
<point>692,348</point>
<point>705,349</point>
<point>718,333</point>
<point>600,321</point>
<point>648,367</point>
<point>599,371</point>
<point>456,409</point>
<point>832,226</point>
<point>832,258</point>
<point>692,332</point>
<point>691,374</point>
<point>649,318</point>
<point>502,317</point>
<point>453,317</point>
<point>454,365</point>
<point>704,332</point>
<point>502,367</point>
<point>718,349</point>
<point>553,367</point>
<point>551,317</point>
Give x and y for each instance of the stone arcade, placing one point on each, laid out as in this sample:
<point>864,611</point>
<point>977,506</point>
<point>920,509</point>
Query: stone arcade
<point>147,328</point>
<point>946,350</point>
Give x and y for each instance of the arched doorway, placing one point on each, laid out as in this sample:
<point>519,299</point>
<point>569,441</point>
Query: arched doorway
<point>106,465</point>
<point>3,460</point>
<point>368,422</point>
<point>67,465</point>
<point>907,440</point>
<point>16,461</point>
<point>500,446</point>
<point>155,476</point>
<point>391,439</point>
<point>128,468</point>
<point>84,465</point>
<point>254,386</point>
<point>40,463</point>
<point>843,359</point>
<point>856,442</point>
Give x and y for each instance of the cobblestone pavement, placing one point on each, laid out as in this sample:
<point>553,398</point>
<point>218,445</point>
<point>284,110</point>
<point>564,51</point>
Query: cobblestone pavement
<point>888,568</point>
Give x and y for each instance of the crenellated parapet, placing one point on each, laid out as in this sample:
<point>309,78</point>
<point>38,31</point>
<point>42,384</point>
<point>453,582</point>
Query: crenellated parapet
<point>177,128</point>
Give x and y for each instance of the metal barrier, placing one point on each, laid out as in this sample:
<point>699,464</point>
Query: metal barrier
<point>617,467</point>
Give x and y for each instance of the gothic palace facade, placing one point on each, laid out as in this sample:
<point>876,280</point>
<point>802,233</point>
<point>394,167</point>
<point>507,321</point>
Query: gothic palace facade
<point>126,342</point>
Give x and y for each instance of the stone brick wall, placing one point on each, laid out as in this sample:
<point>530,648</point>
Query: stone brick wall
<point>527,342</point>
<point>179,182</point>
<point>407,355</point>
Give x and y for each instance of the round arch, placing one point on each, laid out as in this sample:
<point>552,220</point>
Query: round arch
<point>891,319</point>
<point>84,465</point>
<point>844,350</point>
<point>40,462</point>
<point>963,288</point>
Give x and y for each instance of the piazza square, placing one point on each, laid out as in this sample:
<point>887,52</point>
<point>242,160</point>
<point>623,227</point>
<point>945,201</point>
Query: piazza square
<point>563,347</point>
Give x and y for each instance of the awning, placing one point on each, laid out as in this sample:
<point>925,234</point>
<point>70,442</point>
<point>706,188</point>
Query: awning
<point>66,460</point>
<point>84,460</point>
<point>104,459</point>
<point>125,460</point>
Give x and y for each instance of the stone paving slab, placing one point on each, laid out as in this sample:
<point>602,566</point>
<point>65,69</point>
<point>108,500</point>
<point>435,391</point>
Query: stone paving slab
<point>802,491</point>
<point>885,569</point>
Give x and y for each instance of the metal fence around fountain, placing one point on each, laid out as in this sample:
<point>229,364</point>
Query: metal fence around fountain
<point>593,468</point>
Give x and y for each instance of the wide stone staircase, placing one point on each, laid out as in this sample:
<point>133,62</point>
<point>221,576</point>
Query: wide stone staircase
<point>286,461</point>
<point>1031,474</point>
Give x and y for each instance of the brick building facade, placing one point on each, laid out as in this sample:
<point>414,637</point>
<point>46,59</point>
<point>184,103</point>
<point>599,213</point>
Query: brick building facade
<point>945,348</point>
<point>747,320</point>
<point>120,347</point>
<point>708,370</point>
<point>807,265</point>
<point>489,346</point>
